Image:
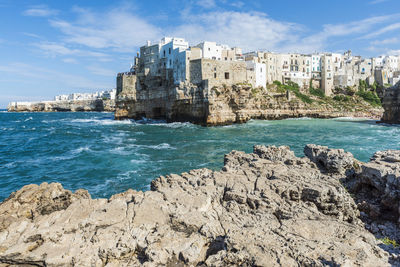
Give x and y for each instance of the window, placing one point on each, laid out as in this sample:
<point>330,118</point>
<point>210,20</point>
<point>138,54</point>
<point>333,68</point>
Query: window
<point>215,68</point>
<point>226,75</point>
<point>169,50</point>
<point>215,75</point>
<point>170,62</point>
<point>164,53</point>
<point>226,58</point>
<point>209,49</point>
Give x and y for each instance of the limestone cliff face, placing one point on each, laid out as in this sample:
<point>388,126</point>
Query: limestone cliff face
<point>58,106</point>
<point>240,103</point>
<point>267,208</point>
<point>221,105</point>
<point>391,104</point>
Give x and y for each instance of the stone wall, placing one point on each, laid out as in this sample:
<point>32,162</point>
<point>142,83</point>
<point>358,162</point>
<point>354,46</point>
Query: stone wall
<point>217,72</point>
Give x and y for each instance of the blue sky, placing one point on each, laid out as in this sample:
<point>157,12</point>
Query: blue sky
<point>57,47</point>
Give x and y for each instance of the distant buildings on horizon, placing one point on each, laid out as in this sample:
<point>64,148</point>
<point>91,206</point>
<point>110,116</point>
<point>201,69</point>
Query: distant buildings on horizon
<point>87,96</point>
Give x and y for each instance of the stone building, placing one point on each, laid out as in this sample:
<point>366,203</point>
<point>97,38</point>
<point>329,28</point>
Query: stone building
<point>212,73</point>
<point>327,73</point>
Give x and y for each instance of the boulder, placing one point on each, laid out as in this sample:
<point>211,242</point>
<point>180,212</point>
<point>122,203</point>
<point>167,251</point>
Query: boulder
<point>332,160</point>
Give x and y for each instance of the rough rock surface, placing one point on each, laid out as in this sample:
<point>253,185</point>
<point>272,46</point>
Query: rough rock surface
<point>226,104</point>
<point>376,188</point>
<point>267,208</point>
<point>391,104</point>
<point>55,106</point>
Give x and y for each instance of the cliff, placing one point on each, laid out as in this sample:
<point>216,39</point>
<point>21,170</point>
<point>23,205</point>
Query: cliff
<point>54,106</point>
<point>391,104</point>
<point>225,104</point>
<point>267,208</point>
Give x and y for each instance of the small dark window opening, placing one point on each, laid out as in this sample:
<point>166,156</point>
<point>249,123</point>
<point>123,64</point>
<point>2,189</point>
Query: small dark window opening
<point>169,51</point>
<point>227,75</point>
<point>215,75</point>
<point>164,53</point>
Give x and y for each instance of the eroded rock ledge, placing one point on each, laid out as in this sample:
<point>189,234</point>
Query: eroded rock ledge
<point>267,208</point>
<point>98,105</point>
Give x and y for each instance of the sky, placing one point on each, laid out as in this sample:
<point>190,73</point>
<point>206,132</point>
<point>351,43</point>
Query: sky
<point>60,47</point>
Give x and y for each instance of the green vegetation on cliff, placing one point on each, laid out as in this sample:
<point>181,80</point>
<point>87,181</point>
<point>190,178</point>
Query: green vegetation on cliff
<point>368,93</point>
<point>295,88</point>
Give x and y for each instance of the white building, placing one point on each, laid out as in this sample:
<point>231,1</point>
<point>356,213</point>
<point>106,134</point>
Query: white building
<point>256,74</point>
<point>316,65</point>
<point>212,50</point>
<point>87,96</point>
<point>170,48</point>
<point>391,62</point>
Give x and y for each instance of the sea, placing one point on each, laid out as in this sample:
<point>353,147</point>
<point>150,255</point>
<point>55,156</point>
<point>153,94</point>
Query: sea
<point>104,156</point>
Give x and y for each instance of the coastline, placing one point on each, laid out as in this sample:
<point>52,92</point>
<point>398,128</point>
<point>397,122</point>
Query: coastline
<point>63,106</point>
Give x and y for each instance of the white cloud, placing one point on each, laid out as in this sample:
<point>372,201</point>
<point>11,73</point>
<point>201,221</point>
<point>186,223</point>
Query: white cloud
<point>257,31</point>
<point>206,3</point>
<point>248,30</point>
<point>393,52</point>
<point>40,11</point>
<point>45,75</point>
<point>117,29</point>
<point>98,70</point>
<point>53,49</point>
<point>238,4</point>
<point>389,28</point>
<point>70,60</point>
<point>29,34</point>
<point>394,40</point>
<point>374,2</point>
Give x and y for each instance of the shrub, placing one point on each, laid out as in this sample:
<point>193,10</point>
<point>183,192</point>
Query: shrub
<point>370,97</point>
<point>342,98</point>
<point>362,86</point>
<point>254,91</point>
<point>388,241</point>
<point>317,92</point>
<point>303,97</point>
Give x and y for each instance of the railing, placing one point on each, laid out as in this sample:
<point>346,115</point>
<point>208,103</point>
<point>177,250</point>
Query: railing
<point>126,73</point>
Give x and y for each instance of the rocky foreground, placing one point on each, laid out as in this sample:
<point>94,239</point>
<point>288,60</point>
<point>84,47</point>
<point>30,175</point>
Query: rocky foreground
<point>268,208</point>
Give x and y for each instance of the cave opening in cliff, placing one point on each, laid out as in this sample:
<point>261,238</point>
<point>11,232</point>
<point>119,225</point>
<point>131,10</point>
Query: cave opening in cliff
<point>159,113</point>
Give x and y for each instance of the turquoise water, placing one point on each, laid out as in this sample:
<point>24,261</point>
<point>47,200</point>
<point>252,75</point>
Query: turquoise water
<point>92,151</point>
